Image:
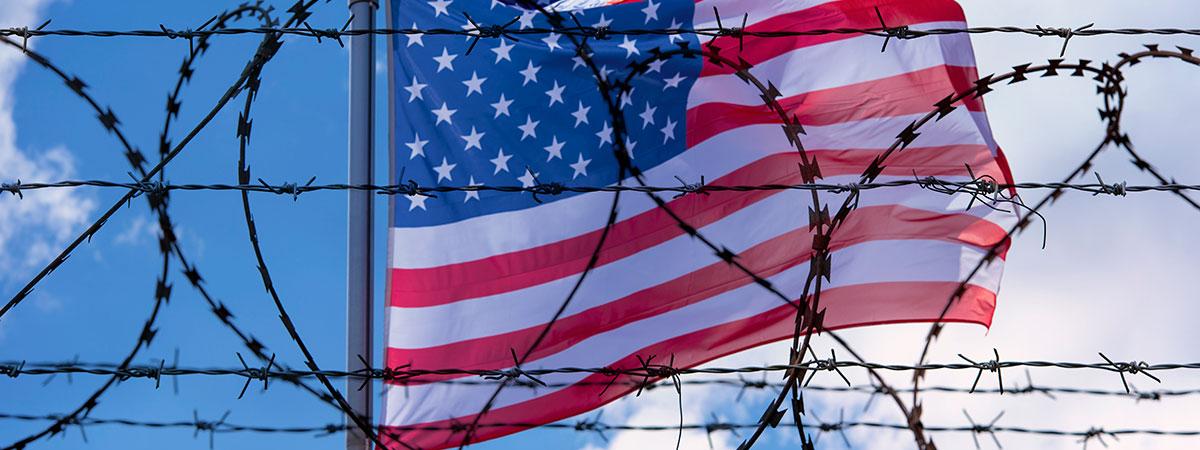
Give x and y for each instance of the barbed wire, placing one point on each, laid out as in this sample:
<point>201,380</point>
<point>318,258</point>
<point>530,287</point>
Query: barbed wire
<point>222,425</point>
<point>979,186</point>
<point>168,243</point>
<point>14,369</point>
<point>248,80</point>
<point>809,315</point>
<point>1113,96</point>
<point>483,31</point>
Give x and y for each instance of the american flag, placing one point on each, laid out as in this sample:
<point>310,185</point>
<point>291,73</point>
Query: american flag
<point>474,277</point>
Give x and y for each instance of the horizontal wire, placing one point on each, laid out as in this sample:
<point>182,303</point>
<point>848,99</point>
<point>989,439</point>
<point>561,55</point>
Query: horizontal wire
<point>977,186</point>
<point>985,187</point>
<point>221,426</point>
<point>497,31</point>
<point>745,384</point>
<point>403,373</point>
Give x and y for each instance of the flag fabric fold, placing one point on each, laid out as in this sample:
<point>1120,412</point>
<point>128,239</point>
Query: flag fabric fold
<point>474,277</point>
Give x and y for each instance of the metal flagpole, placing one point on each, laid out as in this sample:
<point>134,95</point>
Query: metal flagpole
<point>360,240</point>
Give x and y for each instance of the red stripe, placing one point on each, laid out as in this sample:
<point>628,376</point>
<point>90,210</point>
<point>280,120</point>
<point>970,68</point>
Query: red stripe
<point>766,259</point>
<point>909,93</point>
<point>839,14</point>
<point>529,267</point>
<point>859,305</point>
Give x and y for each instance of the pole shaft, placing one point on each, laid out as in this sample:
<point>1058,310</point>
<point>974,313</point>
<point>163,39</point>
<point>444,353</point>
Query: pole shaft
<point>361,212</point>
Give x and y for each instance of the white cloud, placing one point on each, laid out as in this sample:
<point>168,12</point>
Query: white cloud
<point>138,231</point>
<point>44,220</point>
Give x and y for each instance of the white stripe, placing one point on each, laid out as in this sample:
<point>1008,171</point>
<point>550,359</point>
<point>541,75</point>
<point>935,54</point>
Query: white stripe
<point>519,309</point>
<point>878,261</point>
<point>483,236</point>
<point>801,70</point>
<point>732,11</point>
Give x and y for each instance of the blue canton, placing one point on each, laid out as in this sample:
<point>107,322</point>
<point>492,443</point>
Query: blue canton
<point>526,111</point>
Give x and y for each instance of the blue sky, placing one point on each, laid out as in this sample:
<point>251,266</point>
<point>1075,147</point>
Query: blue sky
<point>1105,254</point>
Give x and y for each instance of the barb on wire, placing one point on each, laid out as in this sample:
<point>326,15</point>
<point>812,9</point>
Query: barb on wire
<point>989,428</point>
<point>901,32</point>
<point>1065,33</point>
<point>990,366</point>
<point>1133,368</point>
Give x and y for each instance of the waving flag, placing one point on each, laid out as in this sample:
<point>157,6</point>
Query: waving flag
<point>474,277</point>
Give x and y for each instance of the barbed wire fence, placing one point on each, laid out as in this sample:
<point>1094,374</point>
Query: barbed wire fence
<point>150,182</point>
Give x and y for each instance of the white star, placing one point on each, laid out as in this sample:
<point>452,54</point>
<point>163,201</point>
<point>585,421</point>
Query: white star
<point>415,38</point>
<point>651,11</point>
<point>627,98</point>
<point>416,201</point>
<point>471,31</point>
<point>439,7</point>
<point>580,167</point>
<point>501,162</point>
<point>552,41</point>
<point>555,93</point>
<point>417,146</point>
<point>629,145</point>
<point>530,73</point>
<point>604,71</point>
<point>648,116</point>
<point>530,127</point>
<point>605,134</point>
<point>656,65</point>
<point>630,47</point>
<point>579,61</point>
<point>581,114</point>
<point>443,170</point>
<point>495,3</point>
<point>554,149</point>
<point>674,26</point>
<point>446,61</point>
<point>502,51</point>
<point>472,194</point>
<point>526,20</point>
<point>674,81</point>
<point>414,90</point>
<point>474,139</point>
<point>668,130</point>
<point>475,84</point>
<point>603,22</point>
<point>443,114</point>
<point>529,179</point>
<point>501,106</point>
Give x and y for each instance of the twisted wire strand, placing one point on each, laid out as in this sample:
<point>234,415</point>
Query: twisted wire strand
<point>413,375</point>
<point>596,426</point>
<point>494,32</point>
<point>934,184</point>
